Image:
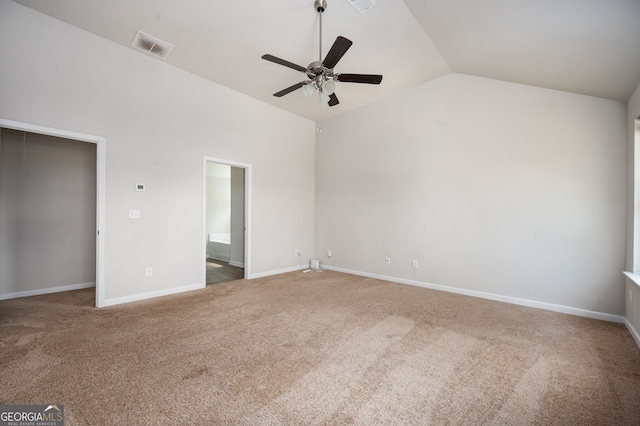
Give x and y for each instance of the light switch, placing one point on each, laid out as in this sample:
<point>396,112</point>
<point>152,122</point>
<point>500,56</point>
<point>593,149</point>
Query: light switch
<point>134,213</point>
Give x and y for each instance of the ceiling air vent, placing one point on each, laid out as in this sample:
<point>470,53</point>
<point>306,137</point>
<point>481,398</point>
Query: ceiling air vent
<point>151,45</point>
<point>362,5</point>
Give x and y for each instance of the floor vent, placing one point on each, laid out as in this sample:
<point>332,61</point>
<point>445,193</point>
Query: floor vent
<point>150,44</point>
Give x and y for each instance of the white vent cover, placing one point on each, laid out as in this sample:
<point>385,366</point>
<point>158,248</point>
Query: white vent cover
<point>151,45</point>
<point>362,5</point>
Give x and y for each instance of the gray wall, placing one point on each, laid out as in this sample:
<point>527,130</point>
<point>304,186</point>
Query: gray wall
<point>237,216</point>
<point>494,187</point>
<point>47,212</point>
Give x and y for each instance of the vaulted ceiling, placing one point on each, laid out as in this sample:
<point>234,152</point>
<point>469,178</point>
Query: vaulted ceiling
<point>591,47</point>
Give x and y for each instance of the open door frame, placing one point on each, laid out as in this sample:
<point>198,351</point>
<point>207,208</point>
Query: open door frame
<point>247,213</point>
<point>101,149</point>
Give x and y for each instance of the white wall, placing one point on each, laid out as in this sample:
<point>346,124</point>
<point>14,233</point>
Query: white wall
<point>159,122</point>
<point>493,187</point>
<point>218,198</point>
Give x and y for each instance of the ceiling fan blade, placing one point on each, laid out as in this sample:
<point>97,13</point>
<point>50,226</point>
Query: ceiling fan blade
<point>333,100</point>
<point>337,51</point>
<point>359,78</point>
<point>290,89</point>
<point>283,62</point>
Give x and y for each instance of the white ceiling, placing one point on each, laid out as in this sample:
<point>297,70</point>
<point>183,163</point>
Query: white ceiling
<point>590,47</point>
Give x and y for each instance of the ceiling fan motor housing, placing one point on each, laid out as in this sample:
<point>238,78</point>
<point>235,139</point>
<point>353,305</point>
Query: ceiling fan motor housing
<point>318,73</point>
<point>315,68</point>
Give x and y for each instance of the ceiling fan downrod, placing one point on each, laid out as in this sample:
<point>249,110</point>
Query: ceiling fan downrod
<point>320,6</point>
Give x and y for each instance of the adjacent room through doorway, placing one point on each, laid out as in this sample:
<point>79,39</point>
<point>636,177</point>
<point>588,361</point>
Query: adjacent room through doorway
<point>225,222</point>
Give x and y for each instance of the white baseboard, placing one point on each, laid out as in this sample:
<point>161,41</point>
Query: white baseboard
<point>167,292</point>
<point>634,333</point>
<point>276,272</point>
<point>39,292</point>
<point>490,296</point>
<point>238,264</point>
<point>152,294</point>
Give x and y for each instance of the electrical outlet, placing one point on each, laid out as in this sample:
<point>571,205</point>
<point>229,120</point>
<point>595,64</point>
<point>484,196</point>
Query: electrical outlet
<point>415,264</point>
<point>387,261</point>
<point>148,272</point>
<point>328,253</point>
<point>297,252</point>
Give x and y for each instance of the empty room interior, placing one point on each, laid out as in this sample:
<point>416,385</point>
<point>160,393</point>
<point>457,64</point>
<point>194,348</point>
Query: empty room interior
<point>421,212</point>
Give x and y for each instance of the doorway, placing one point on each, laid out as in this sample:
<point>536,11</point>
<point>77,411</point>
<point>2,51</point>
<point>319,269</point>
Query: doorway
<point>56,136</point>
<point>226,200</point>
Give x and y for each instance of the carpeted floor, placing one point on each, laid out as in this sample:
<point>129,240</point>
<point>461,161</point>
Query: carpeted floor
<point>313,348</point>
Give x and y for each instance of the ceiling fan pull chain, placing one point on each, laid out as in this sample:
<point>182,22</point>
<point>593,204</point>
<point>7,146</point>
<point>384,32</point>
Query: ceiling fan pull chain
<point>318,110</point>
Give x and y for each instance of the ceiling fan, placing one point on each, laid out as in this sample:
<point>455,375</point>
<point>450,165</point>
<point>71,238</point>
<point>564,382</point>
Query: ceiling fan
<point>320,73</point>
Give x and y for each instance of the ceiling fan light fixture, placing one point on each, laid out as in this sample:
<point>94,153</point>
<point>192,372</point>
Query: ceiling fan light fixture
<point>329,87</point>
<point>324,97</point>
<point>309,89</point>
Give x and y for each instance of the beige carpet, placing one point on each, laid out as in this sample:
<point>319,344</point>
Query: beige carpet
<point>317,348</point>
